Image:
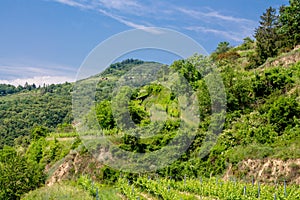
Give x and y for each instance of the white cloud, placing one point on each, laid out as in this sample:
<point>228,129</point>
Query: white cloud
<point>121,4</point>
<point>166,14</point>
<point>116,4</point>
<point>19,72</point>
<point>75,3</point>
<point>129,23</point>
<point>226,34</point>
<point>212,14</point>
<point>38,80</point>
<point>226,26</point>
<point>27,70</point>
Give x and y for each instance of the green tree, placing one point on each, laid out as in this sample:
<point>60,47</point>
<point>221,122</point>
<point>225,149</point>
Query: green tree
<point>290,24</point>
<point>187,69</point>
<point>17,175</point>
<point>38,132</point>
<point>247,44</point>
<point>271,80</point>
<point>282,113</point>
<point>137,112</point>
<point>35,150</point>
<point>223,47</point>
<point>266,35</point>
<point>104,115</point>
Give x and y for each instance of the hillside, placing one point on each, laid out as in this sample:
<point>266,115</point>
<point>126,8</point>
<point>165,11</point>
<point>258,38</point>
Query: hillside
<point>24,108</point>
<point>22,111</point>
<point>262,122</point>
<point>224,126</point>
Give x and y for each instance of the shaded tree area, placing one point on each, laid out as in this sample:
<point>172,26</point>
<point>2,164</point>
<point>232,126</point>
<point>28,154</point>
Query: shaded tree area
<point>266,35</point>
<point>17,174</point>
<point>278,31</point>
<point>22,166</point>
<point>289,20</point>
<point>6,89</point>
<point>48,106</point>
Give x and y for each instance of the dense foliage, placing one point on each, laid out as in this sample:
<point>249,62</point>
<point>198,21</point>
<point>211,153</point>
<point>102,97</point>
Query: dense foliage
<point>277,32</point>
<point>11,89</point>
<point>266,35</point>
<point>17,174</point>
<point>262,117</point>
<point>48,106</point>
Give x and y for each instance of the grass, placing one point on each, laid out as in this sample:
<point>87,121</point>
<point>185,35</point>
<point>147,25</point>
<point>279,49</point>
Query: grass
<point>58,192</point>
<point>284,149</point>
<point>108,193</point>
<point>63,135</point>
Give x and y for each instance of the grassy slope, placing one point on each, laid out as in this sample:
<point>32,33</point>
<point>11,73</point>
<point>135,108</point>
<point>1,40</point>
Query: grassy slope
<point>58,191</point>
<point>232,146</point>
<point>280,148</point>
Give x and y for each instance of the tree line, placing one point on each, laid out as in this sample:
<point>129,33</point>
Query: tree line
<point>278,32</point>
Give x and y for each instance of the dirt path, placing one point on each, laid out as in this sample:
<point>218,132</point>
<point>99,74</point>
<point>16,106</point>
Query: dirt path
<point>121,196</point>
<point>61,139</point>
<point>197,196</point>
<point>147,196</point>
<point>71,138</point>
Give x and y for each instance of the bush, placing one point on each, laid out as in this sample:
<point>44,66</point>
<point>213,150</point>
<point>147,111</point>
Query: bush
<point>282,113</point>
<point>232,55</point>
<point>17,175</point>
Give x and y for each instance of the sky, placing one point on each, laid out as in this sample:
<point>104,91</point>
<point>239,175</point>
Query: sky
<point>46,41</point>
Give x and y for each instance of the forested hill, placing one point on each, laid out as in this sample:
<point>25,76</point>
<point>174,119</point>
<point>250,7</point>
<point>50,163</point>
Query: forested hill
<point>6,89</point>
<point>20,112</point>
<point>24,108</point>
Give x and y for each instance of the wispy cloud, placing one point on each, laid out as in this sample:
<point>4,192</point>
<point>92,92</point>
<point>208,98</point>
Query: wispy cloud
<point>226,26</point>
<point>20,72</point>
<point>121,4</point>
<point>226,34</point>
<point>211,14</point>
<point>38,80</point>
<point>114,4</point>
<point>133,13</point>
<point>75,4</point>
<point>130,23</point>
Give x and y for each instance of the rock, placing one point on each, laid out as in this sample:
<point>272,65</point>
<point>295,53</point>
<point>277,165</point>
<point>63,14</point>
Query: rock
<point>267,170</point>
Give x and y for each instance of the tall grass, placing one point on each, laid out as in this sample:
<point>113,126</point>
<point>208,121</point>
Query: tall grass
<point>58,191</point>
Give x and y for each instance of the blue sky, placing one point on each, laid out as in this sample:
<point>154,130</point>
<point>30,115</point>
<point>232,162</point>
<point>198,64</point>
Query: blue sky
<point>47,40</point>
